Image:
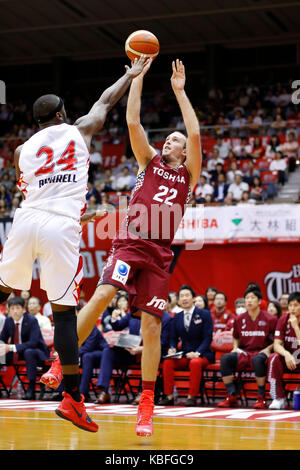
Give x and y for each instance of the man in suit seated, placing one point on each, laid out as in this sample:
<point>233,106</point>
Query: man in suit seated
<point>90,353</point>
<point>220,188</point>
<point>119,357</point>
<point>23,340</point>
<point>194,328</point>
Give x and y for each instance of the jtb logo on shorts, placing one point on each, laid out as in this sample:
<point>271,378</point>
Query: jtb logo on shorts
<point>158,303</point>
<point>121,272</point>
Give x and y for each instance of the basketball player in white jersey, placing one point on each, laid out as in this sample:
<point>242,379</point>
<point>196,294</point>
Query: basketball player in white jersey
<point>52,173</point>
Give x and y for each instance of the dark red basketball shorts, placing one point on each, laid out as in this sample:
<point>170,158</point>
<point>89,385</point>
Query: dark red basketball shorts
<point>140,267</point>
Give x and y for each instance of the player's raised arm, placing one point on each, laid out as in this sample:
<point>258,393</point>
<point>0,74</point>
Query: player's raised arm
<point>93,122</point>
<point>139,143</point>
<point>193,151</point>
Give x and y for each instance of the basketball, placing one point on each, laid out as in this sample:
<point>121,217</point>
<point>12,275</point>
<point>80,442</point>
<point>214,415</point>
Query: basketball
<point>141,43</point>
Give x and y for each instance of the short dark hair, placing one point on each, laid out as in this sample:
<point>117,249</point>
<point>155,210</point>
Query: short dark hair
<point>187,287</point>
<point>222,293</point>
<point>253,285</point>
<point>33,297</point>
<point>16,301</point>
<point>294,296</point>
<point>256,292</point>
<point>211,288</point>
<point>46,107</point>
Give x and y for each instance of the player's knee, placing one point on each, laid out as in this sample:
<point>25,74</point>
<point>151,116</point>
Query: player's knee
<point>104,294</point>
<point>151,328</point>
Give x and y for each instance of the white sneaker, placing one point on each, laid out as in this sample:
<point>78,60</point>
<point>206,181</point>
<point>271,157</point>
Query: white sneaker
<point>277,404</point>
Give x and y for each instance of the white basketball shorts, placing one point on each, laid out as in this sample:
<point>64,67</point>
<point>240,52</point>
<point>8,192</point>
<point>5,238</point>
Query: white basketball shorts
<point>52,238</point>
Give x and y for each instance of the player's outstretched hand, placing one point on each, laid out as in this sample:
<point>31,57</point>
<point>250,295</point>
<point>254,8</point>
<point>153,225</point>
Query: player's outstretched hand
<point>139,66</point>
<point>178,75</point>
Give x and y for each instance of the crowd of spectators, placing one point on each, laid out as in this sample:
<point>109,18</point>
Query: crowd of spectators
<point>234,170</point>
<point>191,323</point>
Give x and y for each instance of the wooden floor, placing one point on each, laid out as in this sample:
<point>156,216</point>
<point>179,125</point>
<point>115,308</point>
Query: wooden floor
<point>44,430</point>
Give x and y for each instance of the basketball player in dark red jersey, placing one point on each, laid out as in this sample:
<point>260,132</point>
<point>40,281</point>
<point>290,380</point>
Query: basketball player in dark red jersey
<point>253,335</point>
<point>141,256</point>
<point>287,351</point>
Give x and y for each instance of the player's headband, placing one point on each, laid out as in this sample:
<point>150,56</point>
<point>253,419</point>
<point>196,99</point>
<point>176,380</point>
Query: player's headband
<point>52,114</point>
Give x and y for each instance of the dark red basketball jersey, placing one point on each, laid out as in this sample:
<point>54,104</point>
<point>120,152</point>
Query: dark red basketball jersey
<point>254,335</point>
<point>286,333</point>
<point>157,204</point>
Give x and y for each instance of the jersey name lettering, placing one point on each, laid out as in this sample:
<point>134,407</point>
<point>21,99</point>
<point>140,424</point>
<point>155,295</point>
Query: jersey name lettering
<point>67,178</point>
<point>168,176</point>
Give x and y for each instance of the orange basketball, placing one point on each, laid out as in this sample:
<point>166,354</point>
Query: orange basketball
<point>141,43</point>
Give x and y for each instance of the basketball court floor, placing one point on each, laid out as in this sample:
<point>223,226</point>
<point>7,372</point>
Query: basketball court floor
<point>34,426</point>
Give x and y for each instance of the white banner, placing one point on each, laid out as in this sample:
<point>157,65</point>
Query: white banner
<point>248,222</point>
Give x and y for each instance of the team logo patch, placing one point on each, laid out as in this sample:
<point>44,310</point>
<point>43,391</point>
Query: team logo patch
<point>121,272</point>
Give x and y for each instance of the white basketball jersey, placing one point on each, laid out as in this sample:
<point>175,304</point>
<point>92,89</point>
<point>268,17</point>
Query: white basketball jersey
<point>54,171</point>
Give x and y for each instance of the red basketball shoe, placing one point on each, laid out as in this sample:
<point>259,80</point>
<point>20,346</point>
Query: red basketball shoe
<point>229,402</point>
<point>260,403</point>
<point>144,425</point>
<point>54,376</point>
<point>75,412</point>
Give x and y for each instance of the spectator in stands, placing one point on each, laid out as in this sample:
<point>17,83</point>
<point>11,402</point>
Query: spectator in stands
<point>253,334</point>
<point>231,173</point>
<point>250,172</point>
<point>238,122</point>
<point>273,146</point>
<point>25,295</point>
<point>258,150</point>
<point>118,357</point>
<point>124,181</point>
<point>23,340</point>
<point>92,191</point>
<point>202,189</point>
<point>274,308</point>
<point>286,351</point>
<point>210,294</point>
<point>243,150</point>
<point>4,195</point>
<point>214,160</point>
<point>4,212</point>
<point>283,301</point>
<point>201,302</point>
<point>223,146</point>
<point>108,183</point>
<point>5,181</point>
<point>291,149</point>
<point>279,124</point>
<point>245,199</point>
<point>279,164</point>
<point>284,98</point>
<point>215,173</point>
<point>220,314</point>
<point>90,353</point>
<point>173,306</point>
<point>238,187</point>
<point>95,161</point>
<point>194,328</point>
<point>34,307</point>
<point>256,191</point>
<point>14,206</point>
<point>220,189</point>
<point>117,309</point>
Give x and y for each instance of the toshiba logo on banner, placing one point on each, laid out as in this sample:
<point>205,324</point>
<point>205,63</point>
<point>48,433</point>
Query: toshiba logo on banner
<point>279,283</point>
